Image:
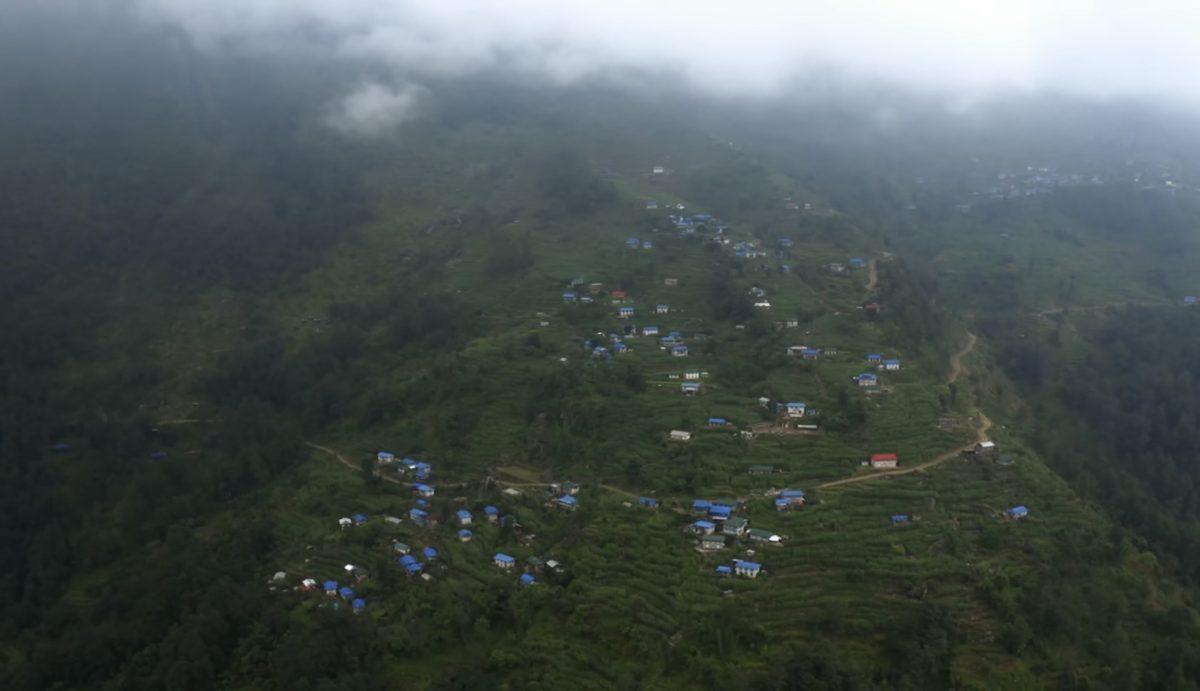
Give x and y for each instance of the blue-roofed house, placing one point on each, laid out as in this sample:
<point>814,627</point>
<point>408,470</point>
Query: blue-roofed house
<point>463,516</point>
<point>782,504</point>
<point>703,527</point>
<point>701,506</point>
<point>796,408</point>
<point>385,457</point>
<point>424,504</point>
<point>857,262</point>
<point>724,570</point>
<point>568,297</point>
<point>667,340</point>
<point>717,422</point>
<point>874,358</point>
<point>419,517</point>
<point>423,489</point>
<point>600,352</point>
<point>358,605</point>
<point>1020,511</point>
<point>620,348</point>
<point>625,312</point>
<point>662,308</point>
<point>679,350</point>
<point>492,513</point>
<point>528,579</point>
<point>866,380</point>
<point>892,364</point>
<point>810,353</point>
<point>410,565</point>
<point>749,569</point>
<point>359,519</point>
<point>900,519</point>
<point>648,501</point>
<point>633,243</point>
<point>503,561</point>
<point>465,535</point>
<point>346,592</point>
<point>568,502</point>
<point>331,587</point>
<point>720,512</point>
<point>430,553</point>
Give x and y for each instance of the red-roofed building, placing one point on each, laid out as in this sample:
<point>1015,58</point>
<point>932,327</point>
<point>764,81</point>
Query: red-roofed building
<point>884,460</point>
<point>619,295</point>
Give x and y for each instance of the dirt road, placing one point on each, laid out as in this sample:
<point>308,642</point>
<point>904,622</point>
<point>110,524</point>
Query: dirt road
<point>981,431</point>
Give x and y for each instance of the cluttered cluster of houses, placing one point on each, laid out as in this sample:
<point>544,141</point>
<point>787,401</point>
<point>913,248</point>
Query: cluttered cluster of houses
<point>718,525</point>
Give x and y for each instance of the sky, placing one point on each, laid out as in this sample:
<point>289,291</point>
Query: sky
<point>1100,49</point>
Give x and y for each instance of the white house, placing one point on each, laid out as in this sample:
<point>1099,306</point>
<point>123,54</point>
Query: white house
<point>680,435</point>
<point>763,304</point>
<point>747,569</point>
<point>662,308</point>
<point>658,170</point>
<point>796,409</point>
<point>344,523</point>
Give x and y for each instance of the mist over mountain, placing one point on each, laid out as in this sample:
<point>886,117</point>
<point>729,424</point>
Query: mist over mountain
<point>599,345</point>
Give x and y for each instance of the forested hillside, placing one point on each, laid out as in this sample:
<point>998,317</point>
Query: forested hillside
<point>494,374</point>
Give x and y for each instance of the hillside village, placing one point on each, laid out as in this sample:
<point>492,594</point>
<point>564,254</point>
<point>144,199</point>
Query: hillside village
<point>735,535</point>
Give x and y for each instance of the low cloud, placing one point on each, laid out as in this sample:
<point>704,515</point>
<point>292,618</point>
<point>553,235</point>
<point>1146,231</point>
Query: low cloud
<point>373,109</point>
<point>1104,48</point>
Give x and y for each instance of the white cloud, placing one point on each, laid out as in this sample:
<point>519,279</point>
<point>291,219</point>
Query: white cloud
<point>374,109</point>
<point>1094,47</point>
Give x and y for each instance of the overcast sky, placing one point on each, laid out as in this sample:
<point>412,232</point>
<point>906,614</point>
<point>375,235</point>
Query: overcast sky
<point>1144,48</point>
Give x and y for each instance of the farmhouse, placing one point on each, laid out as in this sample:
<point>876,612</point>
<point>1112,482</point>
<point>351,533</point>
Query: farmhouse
<point>680,435</point>
<point>651,205</point>
<point>400,548</point>
<point>503,561</point>
<point>331,587</point>
<point>900,519</point>
<point>720,512</point>
<point>712,543</point>
<point>679,350</point>
<point>714,422</point>
<point>633,243</point>
<point>810,353</point>
<point>492,513</point>
<point>463,516</point>
<point>735,526</point>
<point>765,537</point>
<point>892,365</point>
<point>690,388</point>
<point>884,460</point>
<point>857,262</point>
<point>527,579</point>
<point>670,282</point>
<point>568,503</point>
<point>703,527</point>
<point>874,358</point>
<point>648,502</point>
<point>763,304</point>
<point>1019,511</point>
<point>344,523</point>
<point>359,519</point>
<point>747,569</point>
<point>568,297</point>
<point>796,409</point>
<point>410,565</point>
<point>619,295</point>
<point>791,497</point>
<point>649,330</point>
<point>694,375</point>
<point>430,553</point>
<point>465,535</point>
<point>701,506</point>
<point>625,312</point>
<point>760,470</point>
<point>985,447</point>
<point>423,490</point>
<point>867,380</point>
<point>419,517</point>
<point>358,605</point>
<point>658,170</point>
<point>724,570</point>
<point>385,457</point>
<point>662,308</point>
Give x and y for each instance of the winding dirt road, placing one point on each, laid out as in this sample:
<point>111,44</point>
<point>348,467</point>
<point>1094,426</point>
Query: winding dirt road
<point>985,425</point>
